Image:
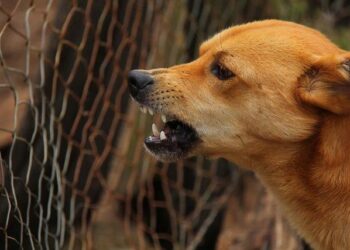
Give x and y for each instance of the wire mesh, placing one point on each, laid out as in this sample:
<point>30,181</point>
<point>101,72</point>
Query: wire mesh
<point>74,174</point>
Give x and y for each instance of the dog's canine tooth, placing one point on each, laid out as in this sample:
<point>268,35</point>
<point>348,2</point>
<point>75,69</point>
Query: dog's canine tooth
<point>164,118</point>
<point>143,109</point>
<point>150,111</point>
<point>155,130</point>
<point>162,136</point>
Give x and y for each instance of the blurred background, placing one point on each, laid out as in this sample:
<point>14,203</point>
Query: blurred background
<point>73,171</point>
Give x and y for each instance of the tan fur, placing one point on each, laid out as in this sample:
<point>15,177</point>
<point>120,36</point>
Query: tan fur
<point>285,115</point>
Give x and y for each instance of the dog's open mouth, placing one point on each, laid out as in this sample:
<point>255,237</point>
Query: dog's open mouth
<point>172,142</point>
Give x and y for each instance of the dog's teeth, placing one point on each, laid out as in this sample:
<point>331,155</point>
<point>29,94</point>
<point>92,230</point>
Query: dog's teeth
<point>143,109</point>
<point>150,111</point>
<point>164,118</point>
<point>155,130</point>
<point>162,136</point>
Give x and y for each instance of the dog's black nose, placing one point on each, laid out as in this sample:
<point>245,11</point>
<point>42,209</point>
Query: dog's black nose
<point>138,80</point>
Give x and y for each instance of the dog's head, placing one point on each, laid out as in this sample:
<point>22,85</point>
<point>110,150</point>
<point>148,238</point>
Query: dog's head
<point>253,86</point>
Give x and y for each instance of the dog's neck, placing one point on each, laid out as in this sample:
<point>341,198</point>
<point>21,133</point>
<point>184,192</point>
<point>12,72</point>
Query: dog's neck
<point>311,181</point>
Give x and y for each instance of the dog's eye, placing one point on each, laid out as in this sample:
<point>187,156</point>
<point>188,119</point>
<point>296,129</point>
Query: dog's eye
<point>221,72</point>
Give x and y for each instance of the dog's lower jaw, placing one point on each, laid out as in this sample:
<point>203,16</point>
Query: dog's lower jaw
<point>166,158</point>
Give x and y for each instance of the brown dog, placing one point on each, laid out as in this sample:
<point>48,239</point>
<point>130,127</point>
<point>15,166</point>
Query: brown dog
<point>273,97</point>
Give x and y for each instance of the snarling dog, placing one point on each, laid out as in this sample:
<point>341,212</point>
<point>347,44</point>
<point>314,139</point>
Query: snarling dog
<point>273,97</point>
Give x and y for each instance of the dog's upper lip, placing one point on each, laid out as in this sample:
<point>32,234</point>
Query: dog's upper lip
<point>165,116</point>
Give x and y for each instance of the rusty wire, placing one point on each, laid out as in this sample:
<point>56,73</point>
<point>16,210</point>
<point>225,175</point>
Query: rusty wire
<point>74,173</point>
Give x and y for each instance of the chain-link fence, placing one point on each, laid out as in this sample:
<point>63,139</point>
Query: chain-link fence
<point>74,174</point>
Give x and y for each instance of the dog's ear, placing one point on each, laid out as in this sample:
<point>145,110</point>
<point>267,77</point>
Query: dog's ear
<point>326,84</point>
